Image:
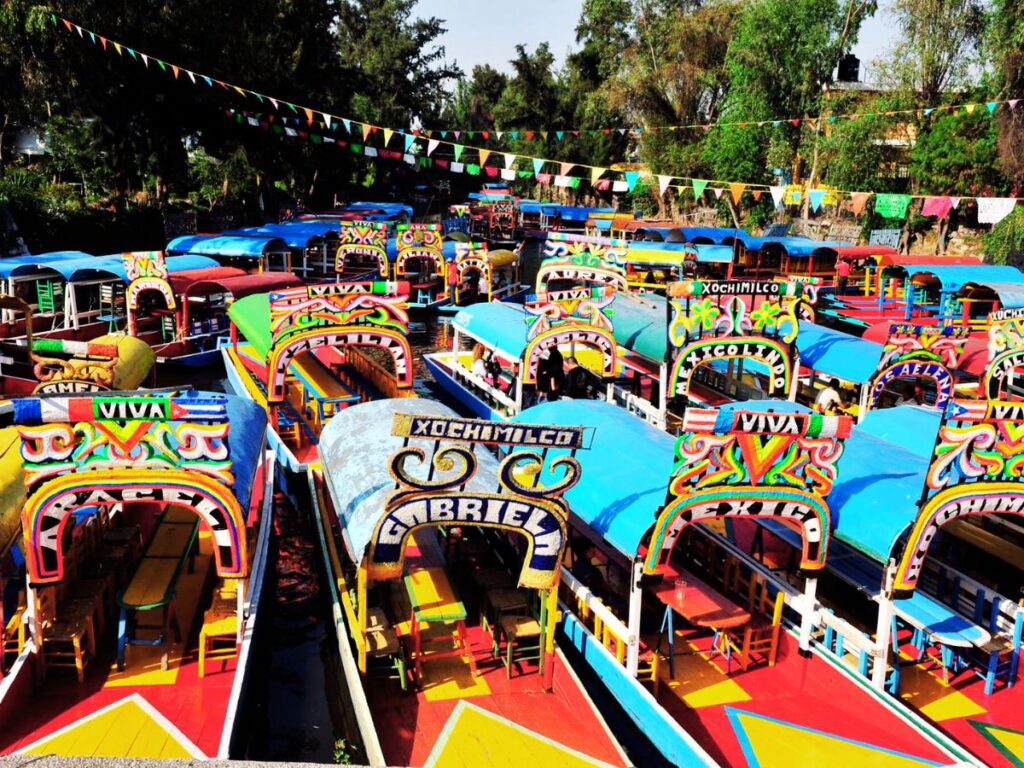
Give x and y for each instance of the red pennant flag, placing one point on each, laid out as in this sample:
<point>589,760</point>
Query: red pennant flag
<point>607,131</point>
<point>175,70</point>
<point>485,134</point>
<point>69,25</point>
<point>103,42</point>
<point>795,122</point>
<point>529,135</point>
<point>756,193</point>
<point>742,125</point>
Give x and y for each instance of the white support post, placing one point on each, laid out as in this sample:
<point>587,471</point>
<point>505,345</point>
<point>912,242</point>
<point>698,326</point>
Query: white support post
<point>241,609</point>
<point>635,604</point>
<point>70,307</point>
<point>883,629</point>
<point>808,612</point>
<point>663,392</point>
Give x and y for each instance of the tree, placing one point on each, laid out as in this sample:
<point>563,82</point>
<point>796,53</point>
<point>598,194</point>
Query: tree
<point>1006,43</point>
<point>473,102</point>
<point>957,156</point>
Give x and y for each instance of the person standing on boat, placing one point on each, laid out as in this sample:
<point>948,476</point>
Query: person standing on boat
<point>842,276</point>
<point>550,375</point>
<point>576,385</point>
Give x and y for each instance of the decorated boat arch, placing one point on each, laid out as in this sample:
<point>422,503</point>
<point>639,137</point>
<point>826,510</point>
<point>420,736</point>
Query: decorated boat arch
<point>582,261</point>
<point>146,272</point>
<point>768,462</point>
<point>418,246</point>
<point>975,469</point>
<point>733,321</point>
<point>107,450</point>
<point>584,321</point>
<point>283,324</point>
<point>1005,352</point>
<point>919,352</point>
<point>472,262</point>
<point>362,247</point>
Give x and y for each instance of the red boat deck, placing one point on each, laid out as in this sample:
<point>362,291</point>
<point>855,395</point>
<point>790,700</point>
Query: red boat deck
<point>414,724</point>
<point>141,712</point>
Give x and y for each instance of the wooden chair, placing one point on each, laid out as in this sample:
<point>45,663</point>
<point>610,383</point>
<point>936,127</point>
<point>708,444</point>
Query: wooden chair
<point>650,664</point>
<point>516,629</point>
<point>13,632</point>
<point>1000,656</point>
<point>67,641</point>
<point>219,636</point>
<point>383,648</point>
<point>761,635</point>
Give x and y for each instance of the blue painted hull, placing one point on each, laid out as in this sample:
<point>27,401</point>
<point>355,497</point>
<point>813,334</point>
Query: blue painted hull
<point>465,398</point>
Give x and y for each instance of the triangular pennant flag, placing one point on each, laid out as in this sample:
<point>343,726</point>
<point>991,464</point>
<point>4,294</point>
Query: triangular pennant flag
<point>103,41</point>
<point>816,196</point>
<point>538,165</point>
<point>663,182</point>
<point>736,191</point>
<point>595,174</point>
<point>991,106</point>
<point>564,168</point>
<point>309,114</point>
<point>366,131</point>
<point>328,120</point>
<point>795,122</point>
<point>699,185</point>
<point>484,154</point>
<point>457,148</point>
<point>1013,103</point>
<point>163,65</point>
<point>78,29</point>
<point>486,135</point>
<point>409,141</point>
<point>444,134</point>
<point>68,24</point>
<point>529,135</point>
<point>117,47</point>
<point>192,77</point>
<point>928,111</point>
<point>969,108</point>
<point>718,192</point>
<point>499,134</point>
<point>209,82</point>
<point>131,52</point>
<point>145,60</point>
<point>632,177</point>
<point>756,194</point>
<point>388,133</point>
<point>470,135</point>
<point>559,134</point>
<point>954,202</point>
<point>544,178</point>
<point>776,123</point>
<point>347,123</point>
<point>622,131</point>
<point>431,146</point>
<point>509,159</point>
<point>514,135</point>
<point>457,134</point>
<point>778,193</point>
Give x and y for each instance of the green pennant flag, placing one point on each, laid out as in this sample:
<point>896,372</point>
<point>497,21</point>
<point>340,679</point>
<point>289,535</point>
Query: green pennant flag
<point>472,169</point>
<point>892,206</point>
<point>279,130</point>
<point>163,66</point>
<point>458,151</point>
<point>524,174</point>
<point>53,18</point>
<point>357,149</point>
<point>316,138</point>
<point>574,182</point>
<point>699,185</point>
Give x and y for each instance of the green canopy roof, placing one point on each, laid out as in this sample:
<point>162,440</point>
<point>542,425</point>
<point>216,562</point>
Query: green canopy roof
<point>251,316</point>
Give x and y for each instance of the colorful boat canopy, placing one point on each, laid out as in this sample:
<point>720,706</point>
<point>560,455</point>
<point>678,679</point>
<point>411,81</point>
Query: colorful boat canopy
<point>14,266</point>
<point>799,247</point>
<point>240,286</point>
<point>953,278</point>
<point>1011,295</point>
<point>874,501</point>
<point>226,246</point>
<point>180,281</point>
<point>839,354</point>
<point>297,234</point>
<point>640,324</point>
<point>98,267</point>
<point>501,326</point>
<point>356,448</point>
<point>625,474</point>
<point>251,315</point>
<point>643,253</point>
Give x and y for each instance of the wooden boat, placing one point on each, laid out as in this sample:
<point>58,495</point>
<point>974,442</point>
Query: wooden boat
<point>252,254</point>
<point>313,245</point>
<point>419,260</point>
<point>78,297</point>
<point>136,511</point>
<point>304,354</point>
<point>482,274</point>
<point>362,251</point>
<point>665,551</point>
<point>420,546</point>
<point>47,365</point>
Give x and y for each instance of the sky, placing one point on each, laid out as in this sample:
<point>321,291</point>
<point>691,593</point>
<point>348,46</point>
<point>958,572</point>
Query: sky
<point>487,32</point>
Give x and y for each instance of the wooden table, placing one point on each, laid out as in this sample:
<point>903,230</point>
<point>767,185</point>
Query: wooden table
<point>433,601</point>
<point>152,585</point>
<point>700,604</point>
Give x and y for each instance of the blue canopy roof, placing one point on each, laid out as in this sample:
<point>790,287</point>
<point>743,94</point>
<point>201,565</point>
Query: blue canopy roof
<point>226,245</point>
<point>625,473</point>
<point>297,234</point>
<point>837,354</point>
<point>567,212</point>
<point>638,324</point>
<point>355,449</point>
<point>390,210</point>
<point>798,246</point>
<point>1011,295</point>
<point>500,326</point>
<point>12,266</point>
<point>912,427</point>
<point>956,276</point>
<point>715,235</point>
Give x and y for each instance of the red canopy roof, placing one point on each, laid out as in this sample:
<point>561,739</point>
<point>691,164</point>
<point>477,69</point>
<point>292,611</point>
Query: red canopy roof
<point>923,260</point>
<point>861,251</point>
<point>180,281</point>
<point>243,285</point>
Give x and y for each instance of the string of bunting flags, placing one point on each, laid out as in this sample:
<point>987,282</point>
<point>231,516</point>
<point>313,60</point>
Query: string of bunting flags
<point>303,118</point>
